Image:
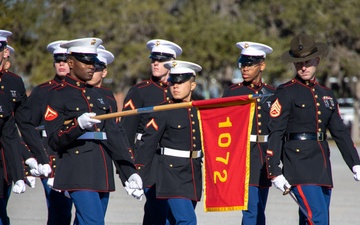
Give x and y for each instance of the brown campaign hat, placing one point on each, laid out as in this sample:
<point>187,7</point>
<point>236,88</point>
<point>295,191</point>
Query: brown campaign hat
<point>303,48</point>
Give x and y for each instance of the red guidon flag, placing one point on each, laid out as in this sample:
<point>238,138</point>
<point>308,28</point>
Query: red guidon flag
<point>226,143</point>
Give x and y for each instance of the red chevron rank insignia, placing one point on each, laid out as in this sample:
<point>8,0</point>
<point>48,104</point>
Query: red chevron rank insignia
<point>153,124</point>
<point>275,110</point>
<point>50,114</point>
<point>129,103</point>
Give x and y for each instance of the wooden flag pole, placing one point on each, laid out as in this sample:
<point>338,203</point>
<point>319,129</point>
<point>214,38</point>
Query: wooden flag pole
<point>144,110</point>
<point>227,101</point>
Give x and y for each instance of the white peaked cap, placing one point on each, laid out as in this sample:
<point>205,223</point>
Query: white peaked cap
<point>105,56</point>
<point>4,34</point>
<point>82,45</point>
<point>54,47</point>
<point>164,46</point>
<point>253,49</point>
<point>182,67</point>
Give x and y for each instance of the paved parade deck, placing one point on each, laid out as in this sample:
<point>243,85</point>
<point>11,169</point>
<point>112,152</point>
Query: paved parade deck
<point>29,208</point>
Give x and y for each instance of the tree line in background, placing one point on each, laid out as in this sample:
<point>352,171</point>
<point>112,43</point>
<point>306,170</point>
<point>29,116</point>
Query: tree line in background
<point>207,30</point>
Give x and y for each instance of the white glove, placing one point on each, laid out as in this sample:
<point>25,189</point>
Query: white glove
<point>44,169</point>
<point>19,187</point>
<point>35,172</point>
<point>356,171</point>
<point>50,182</point>
<point>135,181</point>
<point>136,193</point>
<point>133,186</point>
<point>280,182</point>
<point>32,163</point>
<point>30,180</point>
<point>34,167</point>
<point>85,122</point>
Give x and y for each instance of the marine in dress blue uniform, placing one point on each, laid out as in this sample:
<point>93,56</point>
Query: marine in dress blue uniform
<point>10,142</point>
<point>149,93</point>
<point>13,99</point>
<point>29,161</point>
<point>86,147</point>
<point>252,65</point>
<point>174,137</point>
<point>13,87</point>
<point>11,168</point>
<point>301,114</point>
<point>58,205</point>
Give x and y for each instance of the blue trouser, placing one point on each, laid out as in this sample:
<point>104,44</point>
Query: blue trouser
<point>255,214</point>
<point>59,206</point>
<point>315,200</point>
<point>155,210</point>
<point>90,207</point>
<point>4,218</point>
<point>183,210</point>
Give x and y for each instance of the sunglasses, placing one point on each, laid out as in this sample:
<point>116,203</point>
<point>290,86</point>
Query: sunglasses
<point>88,59</point>
<point>99,67</point>
<point>58,58</point>
<point>179,78</point>
<point>249,65</point>
<point>162,59</point>
<point>3,45</point>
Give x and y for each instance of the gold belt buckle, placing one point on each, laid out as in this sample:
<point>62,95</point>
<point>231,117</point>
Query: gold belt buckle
<point>194,154</point>
<point>260,138</point>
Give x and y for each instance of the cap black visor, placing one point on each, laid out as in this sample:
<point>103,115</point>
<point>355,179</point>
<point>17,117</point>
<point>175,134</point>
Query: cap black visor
<point>180,78</point>
<point>85,58</point>
<point>160,56</point>
<point>245,59</point>
<point>99,66</point>
<point>3,45</point>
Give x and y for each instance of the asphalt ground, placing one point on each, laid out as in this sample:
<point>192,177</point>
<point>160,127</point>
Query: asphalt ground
<point>29,208</point>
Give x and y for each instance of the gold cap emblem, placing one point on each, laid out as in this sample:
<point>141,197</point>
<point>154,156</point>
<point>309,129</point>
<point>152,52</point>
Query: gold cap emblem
<point>246,45</point>
<point>174,64</point>
<point>157,43</point>
<point>93,42</point>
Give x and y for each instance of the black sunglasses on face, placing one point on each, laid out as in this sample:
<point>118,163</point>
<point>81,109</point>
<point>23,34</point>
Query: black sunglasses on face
<point>3,45</point>
<point>60,58</point>
<point>160,60</point>
<point>99,67</point>
<point>88,59</point>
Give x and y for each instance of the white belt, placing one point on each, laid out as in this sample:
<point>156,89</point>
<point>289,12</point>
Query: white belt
<point>93,136</point>
<point>180,153</point>
<point>259,138</point>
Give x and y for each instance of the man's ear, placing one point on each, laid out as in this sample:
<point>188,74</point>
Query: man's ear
<point>262,66</point>
<point>104,73</point>
<point>70,62</point>
<point>193,86</point>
